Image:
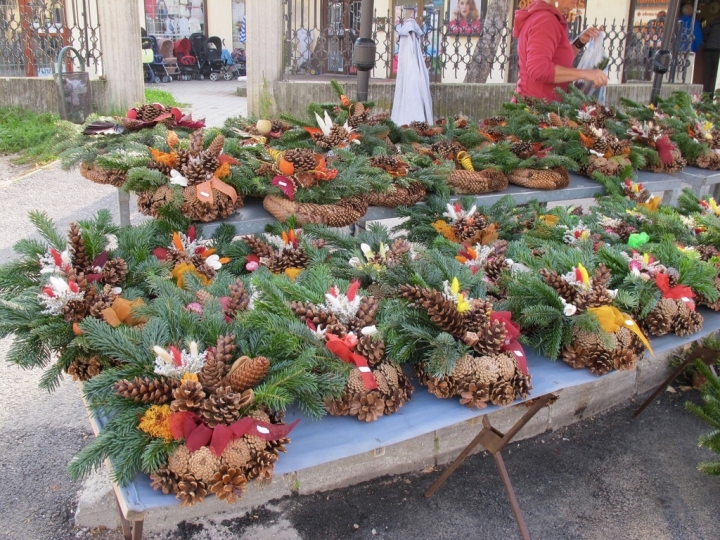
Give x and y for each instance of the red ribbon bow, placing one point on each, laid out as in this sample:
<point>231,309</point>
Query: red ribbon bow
<point>512,344</point>
<point>679,292</point>
<point>342,347</point>
<point>197,434</point>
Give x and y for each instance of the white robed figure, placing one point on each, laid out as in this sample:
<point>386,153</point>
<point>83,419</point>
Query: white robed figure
<point>412,101</point>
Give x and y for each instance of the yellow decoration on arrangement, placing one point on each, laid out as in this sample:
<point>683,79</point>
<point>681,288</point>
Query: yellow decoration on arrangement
<point>652,204</point>
<point>155,422</point>
<point>462,305</point>
<point>181,270</point>
<point>463,158</point>
<point>164,158</point>
<point>714,206</point>
<point>549,220</point>
<point>612,319</point>
<point>446,230</point>
<point>293,273</point>
<point>584,274</point>
<point>223,170</point>
<point>275,154</point>
<point>189,377</point>
<point>646,259</point>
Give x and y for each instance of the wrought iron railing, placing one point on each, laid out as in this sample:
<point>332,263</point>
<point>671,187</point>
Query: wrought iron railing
<point>320,34</point>
<point>32,32</point>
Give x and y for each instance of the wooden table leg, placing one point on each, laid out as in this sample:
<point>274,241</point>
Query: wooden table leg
<point>524,533</point>
<point>708,356</point>
<point>132,530</point>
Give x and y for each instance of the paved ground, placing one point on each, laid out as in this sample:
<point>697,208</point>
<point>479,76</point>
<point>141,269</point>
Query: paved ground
<point>214,101</point>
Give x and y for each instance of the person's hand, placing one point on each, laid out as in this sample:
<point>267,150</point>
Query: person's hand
<point>590,33</point>
<point>596,76</point>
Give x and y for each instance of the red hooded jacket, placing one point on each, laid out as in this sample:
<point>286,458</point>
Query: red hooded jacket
<point>541,31</point>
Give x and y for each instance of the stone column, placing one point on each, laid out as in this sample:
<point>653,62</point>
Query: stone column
<point>121,58</point>
<point>264,54</point>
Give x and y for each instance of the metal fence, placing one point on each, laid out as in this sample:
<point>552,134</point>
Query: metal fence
<point>32,32</point>
<point>319,37</point>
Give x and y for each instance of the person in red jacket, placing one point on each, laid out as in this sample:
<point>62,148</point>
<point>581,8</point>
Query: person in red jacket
<point>545,53</point>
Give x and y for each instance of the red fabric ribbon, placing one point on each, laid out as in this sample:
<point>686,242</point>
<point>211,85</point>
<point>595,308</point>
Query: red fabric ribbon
<point>512,344</point>
<point>188,425</point>
<point>679,292</point>
<point>342,348</point>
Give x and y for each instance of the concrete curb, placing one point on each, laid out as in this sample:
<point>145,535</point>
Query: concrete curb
<point>96,505</point>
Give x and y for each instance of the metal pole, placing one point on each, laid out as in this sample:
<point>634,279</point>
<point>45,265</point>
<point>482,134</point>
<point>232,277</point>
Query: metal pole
<point>661,61</point>
<point>364,50</point>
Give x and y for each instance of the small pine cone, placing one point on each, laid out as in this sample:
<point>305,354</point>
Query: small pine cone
<point>301,158</point>
<point>307,311</point>
<point>475,395</point>
<point>446,149</point>
<point>237,454</point>
<point>238,300</point>
<point>381,382</point>
<point>673,276</point>
<point>601,276</point>
<point>164,480</point>
<point>367,310</point>
<point>190,490</point>
<point>114,272</point>
<point>247,372</point>
<point>148,112</point>
<point>562,287</point>
<point>213,372</point>
<point>206,270</point>
<point>575,356</point>
<point>75,310</point>
<point>502,393</point>
<point>624,338</point>
<point>216,146</point>
<point>368,406</point>
<point>495,267</point>
<point>225,348</point>
<point>84,368</point>
<point>203,464</point>
<point>197,142</point>
<point>601,363</point>
<point>492,338</point>
<point>340,406</point>
<point>146,390</point>
<point>202,296</point>
<point>337,329</point>
<point>188,396</point>
<point>228,484</point>
<point>687,322</point>
<point>372,348</point>
<point>393,374</point>
<point>222,407</point>
<point>179,460</point>
<point>355,383</point>
<point>521,384</point>
<point>657,323</point>
<point>506,366</point>
<point>443,387</point>
<point>522,149</point>
<point>258,247</point>
<point>624,359</point>
<point>598,296</point>
<point>586,340</point>
<point>78,253</point>
<point>256,444</point>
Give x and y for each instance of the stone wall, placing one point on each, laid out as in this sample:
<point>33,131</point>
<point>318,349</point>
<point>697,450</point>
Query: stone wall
<point>41,95</point>
<point>473,100</point>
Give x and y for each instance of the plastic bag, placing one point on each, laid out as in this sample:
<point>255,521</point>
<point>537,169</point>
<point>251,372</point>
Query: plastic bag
<point>594,58</point>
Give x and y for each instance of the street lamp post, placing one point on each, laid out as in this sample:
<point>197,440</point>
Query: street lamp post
<point>364,50</point>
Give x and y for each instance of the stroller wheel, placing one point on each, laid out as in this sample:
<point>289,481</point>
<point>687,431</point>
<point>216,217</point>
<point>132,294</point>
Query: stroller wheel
<point>213,76</point>
<point>227,76</point>
<point>167,79</point>
<point>201,77</point>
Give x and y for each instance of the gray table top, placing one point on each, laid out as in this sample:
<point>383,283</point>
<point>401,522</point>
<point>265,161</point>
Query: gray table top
<point>698,177</point>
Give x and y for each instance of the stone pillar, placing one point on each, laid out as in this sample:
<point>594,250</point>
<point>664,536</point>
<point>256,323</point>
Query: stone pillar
<point>264,54</point>
<point>121,58</point>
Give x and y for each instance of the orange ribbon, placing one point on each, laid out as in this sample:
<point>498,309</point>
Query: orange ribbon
<point>205,194</point>
<point>121,312</point>
<point>181,269</point>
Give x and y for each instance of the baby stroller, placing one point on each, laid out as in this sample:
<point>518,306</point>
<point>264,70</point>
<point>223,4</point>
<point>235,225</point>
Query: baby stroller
<point>170,61</point>
<point>197,42</point>
<point>219,61</point>
<point>157,65</point>
<point>186,62</point>
<point>238,56</point>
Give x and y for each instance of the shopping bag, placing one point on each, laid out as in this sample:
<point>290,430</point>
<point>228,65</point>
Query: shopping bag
<point>594,58</point>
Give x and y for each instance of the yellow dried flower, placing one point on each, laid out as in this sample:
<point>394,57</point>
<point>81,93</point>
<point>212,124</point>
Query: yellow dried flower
<point>155,422</point>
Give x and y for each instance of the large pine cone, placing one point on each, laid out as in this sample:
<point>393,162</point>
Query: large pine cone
<point>367,406</point>
<point>562,287</point>
<point>215,148</point>
<point>247,372</point>
<point>556,178</point>
<point>165,480</point>
<point>114,272</point>
<point>78,253</point>
<point>222,407</point>
<point>146,390</point>
<point>84,368</point>
<point>367,310</point>
<point>258,247</point>
<point>474,395</point>
<point>238,300</point>
<point>212,373</point>
<point>301,158</point>
<point>372,348</point>
<point>197,141</point>
<point>502,393</point>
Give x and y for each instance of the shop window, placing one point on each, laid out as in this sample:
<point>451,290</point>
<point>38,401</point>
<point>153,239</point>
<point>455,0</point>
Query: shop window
<point>174,19</point>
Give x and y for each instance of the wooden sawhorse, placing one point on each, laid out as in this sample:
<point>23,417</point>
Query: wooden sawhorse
<point>494,441</point>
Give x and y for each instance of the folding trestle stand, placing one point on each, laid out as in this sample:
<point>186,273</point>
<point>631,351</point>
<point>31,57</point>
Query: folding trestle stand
<point>494,441</point>
<point>708,356</point>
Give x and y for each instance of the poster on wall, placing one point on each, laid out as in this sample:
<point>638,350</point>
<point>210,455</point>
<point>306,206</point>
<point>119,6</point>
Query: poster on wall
<point>466,16</point>
<point>649,10</point>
